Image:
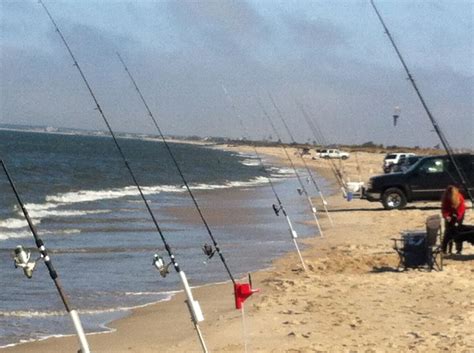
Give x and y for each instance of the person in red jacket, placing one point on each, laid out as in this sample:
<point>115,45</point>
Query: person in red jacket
<point>452,209</point>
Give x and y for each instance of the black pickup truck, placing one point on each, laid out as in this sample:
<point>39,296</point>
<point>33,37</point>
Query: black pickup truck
<point>424,181</point>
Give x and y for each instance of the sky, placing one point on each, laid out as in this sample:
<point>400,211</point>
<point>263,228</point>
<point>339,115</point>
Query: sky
<point>332,57</point>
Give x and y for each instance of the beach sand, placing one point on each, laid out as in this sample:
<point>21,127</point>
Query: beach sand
<point>351,298</point>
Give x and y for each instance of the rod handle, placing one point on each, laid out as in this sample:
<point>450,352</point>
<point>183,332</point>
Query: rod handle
<point>193,305</point>
<point>293,233</point>
<point>80,331</point>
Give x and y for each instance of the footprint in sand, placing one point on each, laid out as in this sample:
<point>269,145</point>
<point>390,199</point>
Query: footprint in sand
<point>312,307</point>
<point>470,315</point>
<point>289,312</point>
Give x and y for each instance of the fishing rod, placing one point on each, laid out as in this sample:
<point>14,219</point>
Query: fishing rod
<point>315,129</point>
<point>276,208</point>
<point>348,188</point>
<point>339,170</point>
<point>303,189</point>
<point>433,121</point>
<point>206,248</point>
<point>358,166</point>
<point>23,260</point>
<point>241,290</point>
<point>158,262</point>
<point>318,189</point>
<point>321,140</point>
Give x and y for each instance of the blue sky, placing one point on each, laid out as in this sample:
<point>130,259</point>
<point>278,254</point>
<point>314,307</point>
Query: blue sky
<point>331,55</point>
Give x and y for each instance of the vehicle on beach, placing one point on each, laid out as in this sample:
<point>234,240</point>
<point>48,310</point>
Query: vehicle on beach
<point>333,153</point>
<point>392,159</point>
<point>426,180</point>
<point>405,163</point>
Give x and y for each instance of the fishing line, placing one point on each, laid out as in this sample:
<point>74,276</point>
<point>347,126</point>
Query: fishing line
<point>314,210</point>
<point>348,188</point>
<point>244,328</point>
<point>358,166</point>
<point>436,127</point>
<point>356,155</point>
<point>322,141</point>
<point>303,189</point>
<point>303,160</point>
<point>193,306</point>
<point>276,208</point>
<point>22,260</point>
<point>207,250</point>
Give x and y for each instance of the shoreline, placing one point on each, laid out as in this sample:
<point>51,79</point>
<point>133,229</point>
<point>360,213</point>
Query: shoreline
<point>350,299</point>
<point>99,133</point>
<point>108,326</point>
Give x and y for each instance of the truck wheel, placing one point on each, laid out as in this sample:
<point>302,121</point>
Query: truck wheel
<point>344,157</point>
<point>394,199</point>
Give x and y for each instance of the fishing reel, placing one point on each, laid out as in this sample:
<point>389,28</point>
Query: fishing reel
<point>277,209</point>
<point>22,259</point>
<point>160,265</point>
<point>208,250</point>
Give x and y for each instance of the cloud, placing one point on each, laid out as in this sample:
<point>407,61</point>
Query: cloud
<point>223,28</point>
<point>316,34</point>
<point>334,56</point>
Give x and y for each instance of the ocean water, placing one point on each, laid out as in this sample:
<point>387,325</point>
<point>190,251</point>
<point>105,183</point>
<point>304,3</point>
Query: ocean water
<point>101,239</point>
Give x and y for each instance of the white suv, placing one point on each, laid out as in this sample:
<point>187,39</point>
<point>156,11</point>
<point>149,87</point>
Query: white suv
<point>392,159</point>
<point>333,153</point>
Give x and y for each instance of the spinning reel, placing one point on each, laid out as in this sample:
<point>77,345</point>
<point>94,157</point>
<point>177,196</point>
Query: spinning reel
<point>160,265</point>
<point>208,250</point>
<point>22,259</point>
<point>277,209</point>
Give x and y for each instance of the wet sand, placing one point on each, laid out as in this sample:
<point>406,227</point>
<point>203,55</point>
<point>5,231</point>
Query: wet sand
<point>351,298</point>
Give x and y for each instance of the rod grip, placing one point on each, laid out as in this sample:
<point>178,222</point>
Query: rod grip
<point>80,331</point>
<point>193,305</point>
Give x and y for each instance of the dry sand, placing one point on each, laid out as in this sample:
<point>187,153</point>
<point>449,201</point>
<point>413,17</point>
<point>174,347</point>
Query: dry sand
<point>351,299</point>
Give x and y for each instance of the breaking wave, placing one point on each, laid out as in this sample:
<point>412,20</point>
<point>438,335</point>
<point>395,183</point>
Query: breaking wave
<point>27,233</point>
<point>56,205</point>
<point>13,223</point>
<point>231,184</point>
<point>107,194</point>
<point>81,196</point>
<point>165,296</point>
<point>251,162</point>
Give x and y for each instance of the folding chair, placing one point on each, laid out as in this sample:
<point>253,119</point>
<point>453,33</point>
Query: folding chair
<point>421,248</point>
<point>433,243</point>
